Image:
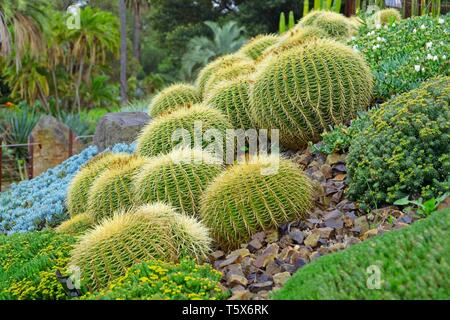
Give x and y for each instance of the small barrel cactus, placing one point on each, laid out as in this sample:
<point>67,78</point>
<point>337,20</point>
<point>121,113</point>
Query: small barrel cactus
<point>232,97</point>
<point>384,17</point>
<point>296,38</point>
<point>261,193</point>
<point>256,46</point>
<point>78,191</point>
<point>307,89</point>
<point>334,24</point>
<point>181,128</point>
<point>229,73</point>
<point>217,65</point>
<point>76,225</point>
<point>150,232</point>
<point>174,97</point>
<point>112,190</point>
<point>178,178</point>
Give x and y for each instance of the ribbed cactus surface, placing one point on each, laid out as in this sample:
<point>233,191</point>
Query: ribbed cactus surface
<point>305,90</point>
<point>174,97</point>
<point>76,225</point>
<point>167,133</point>
<point>112,190</point>
<point>257,195</point>
<point>229,73</point>
<point>334,24</point>
<point>78,191</point>
<point>256,46</point>
<point>217,65</point>
<point>232,98</point>
<point>385,17</point>
<point>150,232</point>
<point>178,178</point>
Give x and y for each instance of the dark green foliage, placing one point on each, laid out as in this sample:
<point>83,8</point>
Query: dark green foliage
<point>28,262</point>
<point>405,150</point>
<point>414,263</point>
<point>159,280</point>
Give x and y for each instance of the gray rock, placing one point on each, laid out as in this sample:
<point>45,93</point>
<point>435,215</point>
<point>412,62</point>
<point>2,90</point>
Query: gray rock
<point>120,127</point>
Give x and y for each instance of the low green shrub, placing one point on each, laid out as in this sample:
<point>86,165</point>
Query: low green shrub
<point>413,263</point>
<point>28,262</point>
<point>163,281</point>
<point>405,149</point>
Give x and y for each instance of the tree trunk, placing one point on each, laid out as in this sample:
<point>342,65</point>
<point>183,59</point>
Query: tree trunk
<point>123,52</point>
<point>137,33</point>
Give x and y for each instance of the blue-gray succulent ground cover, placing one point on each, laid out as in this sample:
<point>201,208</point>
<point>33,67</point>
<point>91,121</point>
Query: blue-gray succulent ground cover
<point>39,203</point>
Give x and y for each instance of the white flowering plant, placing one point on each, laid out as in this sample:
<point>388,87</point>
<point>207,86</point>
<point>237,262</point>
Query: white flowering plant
<point>403,55</point>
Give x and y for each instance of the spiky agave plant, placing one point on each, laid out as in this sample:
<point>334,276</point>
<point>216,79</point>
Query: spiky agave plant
<point>78,191</point>
<point>178,178</point>
<point>179,128</point>
<point>150,232</point>
<point>232,98</point>
<point>256,195</point>
<point>218,64</point>
<point>256,46</point>
<point>76,225</point>
<point>112,190</point>
<point>174,97</point>
<point>307,89</point>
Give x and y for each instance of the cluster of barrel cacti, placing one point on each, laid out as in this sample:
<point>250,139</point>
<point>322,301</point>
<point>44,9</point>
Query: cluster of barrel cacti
<point>173,196</point>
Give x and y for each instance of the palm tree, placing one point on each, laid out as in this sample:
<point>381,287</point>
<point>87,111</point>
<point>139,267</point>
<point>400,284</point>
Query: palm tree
<point>89,45</point>
<point>226,39</point>
<point>22,25</point>
<point>123,51</point>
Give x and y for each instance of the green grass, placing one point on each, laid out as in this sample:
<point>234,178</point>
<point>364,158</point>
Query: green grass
<point>414,263</point>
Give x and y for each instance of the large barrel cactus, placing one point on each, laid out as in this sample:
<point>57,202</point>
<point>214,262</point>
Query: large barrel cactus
<point>150,232</point>
<point>233,99</point>
<point>217,65</point>
<point>174,97</point>
<point>256,46</point>
<point>112,190</point>
<point>78,191</point>
<point>169,132</point>
<point>178,178</point>
<point>305,90</point>
<point>256,195</point>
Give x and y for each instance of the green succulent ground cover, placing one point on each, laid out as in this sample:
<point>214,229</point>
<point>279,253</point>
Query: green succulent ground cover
<point>28,262</point>
<point>159,280</point>
<point>414,263</point>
